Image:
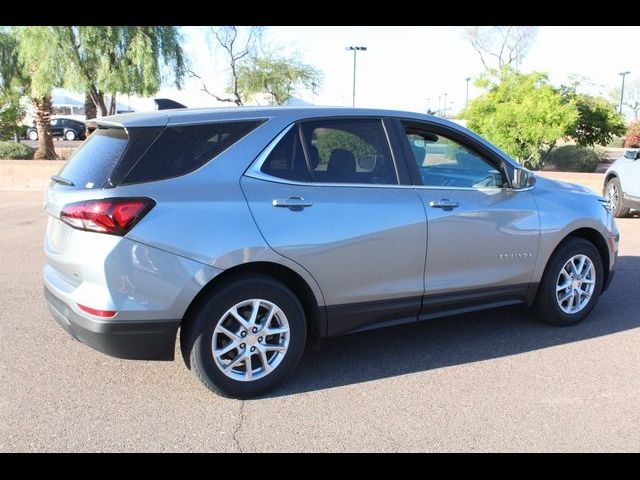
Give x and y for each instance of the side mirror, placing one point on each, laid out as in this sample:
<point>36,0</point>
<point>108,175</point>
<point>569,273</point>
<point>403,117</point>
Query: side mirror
<point>523,178</point>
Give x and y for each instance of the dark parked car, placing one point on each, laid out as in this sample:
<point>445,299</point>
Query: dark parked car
<point>67,128</point>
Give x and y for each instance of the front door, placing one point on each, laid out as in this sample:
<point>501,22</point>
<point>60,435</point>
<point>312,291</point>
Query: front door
<point>327,196</point>
<point>483,235</point>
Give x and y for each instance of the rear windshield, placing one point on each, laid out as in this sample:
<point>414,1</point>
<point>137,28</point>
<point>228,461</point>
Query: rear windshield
<point>92,163</point>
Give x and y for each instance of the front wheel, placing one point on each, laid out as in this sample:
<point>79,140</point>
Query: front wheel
<point>246,337</point>
<point>571,283</point>
<point>33,135</point>
<point>70,135</point>
<point>613,194</point>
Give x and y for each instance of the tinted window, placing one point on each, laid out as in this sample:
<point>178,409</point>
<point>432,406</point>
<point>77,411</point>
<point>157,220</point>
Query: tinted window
<point>349,151</point>
<point>183,149</point>
<point>92,163</point>
<point>287,159</point>
<point>443,162</point>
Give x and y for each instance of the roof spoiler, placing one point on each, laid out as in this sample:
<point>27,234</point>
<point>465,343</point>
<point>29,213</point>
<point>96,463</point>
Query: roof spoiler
<point>166,104</point>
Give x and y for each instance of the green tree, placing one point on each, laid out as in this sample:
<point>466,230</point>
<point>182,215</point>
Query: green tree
<point>11,112</point>
<point>278,77</point>
<point>130,60</point>
<point>631,96</point>
<point>43,70</point>
<point>597,121</point>
<point>521,113</point>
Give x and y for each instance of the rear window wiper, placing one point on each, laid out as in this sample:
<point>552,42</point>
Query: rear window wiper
<point>62,180</point>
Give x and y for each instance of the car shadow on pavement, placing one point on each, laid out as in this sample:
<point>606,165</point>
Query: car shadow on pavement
<point>461,339</point>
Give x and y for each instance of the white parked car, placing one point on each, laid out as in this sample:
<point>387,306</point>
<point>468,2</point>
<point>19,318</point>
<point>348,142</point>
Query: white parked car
<point>622,184</point>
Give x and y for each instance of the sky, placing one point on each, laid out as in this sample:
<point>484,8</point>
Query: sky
<point>408,68</point>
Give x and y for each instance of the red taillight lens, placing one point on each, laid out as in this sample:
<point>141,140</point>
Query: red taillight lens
<point>97,313</point>
<point>113,215</point>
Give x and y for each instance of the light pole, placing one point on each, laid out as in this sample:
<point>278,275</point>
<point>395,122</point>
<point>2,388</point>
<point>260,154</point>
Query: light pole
<point>444,115</point>
<point>439,100</point>
<point>624,74</point>
<point>466,100</point>
<point>355,51</point>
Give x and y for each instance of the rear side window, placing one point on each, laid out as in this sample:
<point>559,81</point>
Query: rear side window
<point>182,149</point>
<point>287,160</point>
<point>90,166</point>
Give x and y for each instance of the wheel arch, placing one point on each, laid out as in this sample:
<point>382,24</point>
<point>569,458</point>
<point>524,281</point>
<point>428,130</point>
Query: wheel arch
<point>594,237</point>
<point>314,313</point>
<point>609,176</point>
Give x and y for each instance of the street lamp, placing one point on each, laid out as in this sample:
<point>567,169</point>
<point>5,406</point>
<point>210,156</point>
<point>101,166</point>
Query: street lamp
<point>439,103</point>
<point>466,101</point>
<point>444,115</point>
<point>355,51</point>
<point>624,74</point>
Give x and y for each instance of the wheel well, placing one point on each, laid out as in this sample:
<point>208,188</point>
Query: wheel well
<point>600,243</point>
<point>315,316</point>
<point>609,177</point>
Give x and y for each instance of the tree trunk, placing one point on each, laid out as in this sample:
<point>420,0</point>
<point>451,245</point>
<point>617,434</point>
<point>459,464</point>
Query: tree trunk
<point>98,100</point>
<point>90,108</point>
<point>112,105</point>
<point>43,107</point>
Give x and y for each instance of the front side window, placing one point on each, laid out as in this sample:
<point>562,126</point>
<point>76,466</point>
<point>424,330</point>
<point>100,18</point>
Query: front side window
<point>443,162</point>
<point>349,151</point>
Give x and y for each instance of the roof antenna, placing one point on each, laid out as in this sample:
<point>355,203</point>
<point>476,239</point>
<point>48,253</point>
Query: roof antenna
<point>166,104</point>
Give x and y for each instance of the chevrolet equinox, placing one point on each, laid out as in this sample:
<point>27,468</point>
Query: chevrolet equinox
<point>256,231</point>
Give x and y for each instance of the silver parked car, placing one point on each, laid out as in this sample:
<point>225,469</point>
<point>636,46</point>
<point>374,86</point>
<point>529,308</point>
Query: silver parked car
<point>622,184</point>
<point>256,231</point>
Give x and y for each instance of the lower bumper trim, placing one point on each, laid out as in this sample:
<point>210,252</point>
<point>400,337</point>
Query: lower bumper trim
<point>134,340</point>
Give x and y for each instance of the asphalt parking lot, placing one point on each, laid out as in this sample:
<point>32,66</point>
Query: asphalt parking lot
<point>489,381</point>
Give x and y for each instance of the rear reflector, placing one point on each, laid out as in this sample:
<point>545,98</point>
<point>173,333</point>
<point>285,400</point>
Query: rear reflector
<point>115,216</point>
<point>97,313</point>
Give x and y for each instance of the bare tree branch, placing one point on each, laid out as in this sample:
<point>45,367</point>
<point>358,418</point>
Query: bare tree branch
<point>507,44</point>
<point>204,88</point>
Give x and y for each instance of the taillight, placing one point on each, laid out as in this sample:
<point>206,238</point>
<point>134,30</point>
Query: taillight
<point>111,215</point>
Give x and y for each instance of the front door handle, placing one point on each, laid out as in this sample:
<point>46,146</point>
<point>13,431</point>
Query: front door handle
<point>292,203</point>
<point>444,203</point>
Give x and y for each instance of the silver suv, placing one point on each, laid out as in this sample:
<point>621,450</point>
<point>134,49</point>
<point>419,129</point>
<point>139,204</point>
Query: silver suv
<point>622,184</point>
<point>256,231</point>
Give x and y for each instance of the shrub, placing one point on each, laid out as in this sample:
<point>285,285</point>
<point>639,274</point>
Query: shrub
<point>572,158</point>
<point>15,151</point>
<point>616,142</point>
<point>632,137</point>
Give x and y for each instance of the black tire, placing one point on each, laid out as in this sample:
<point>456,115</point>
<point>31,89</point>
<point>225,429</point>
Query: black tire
<point>546,305</point>
<point>619,210</point>
<point>196,337</point>
<point>70,133</point>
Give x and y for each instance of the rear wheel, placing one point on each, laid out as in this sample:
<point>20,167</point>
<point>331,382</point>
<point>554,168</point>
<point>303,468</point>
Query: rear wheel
<point>613,194</point>
<point>33,135</point>
<point>571,284</point>
<point>246,337</point>
<point>70,135</point>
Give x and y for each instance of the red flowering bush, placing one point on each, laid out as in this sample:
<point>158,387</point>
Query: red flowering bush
<point>632,137</point>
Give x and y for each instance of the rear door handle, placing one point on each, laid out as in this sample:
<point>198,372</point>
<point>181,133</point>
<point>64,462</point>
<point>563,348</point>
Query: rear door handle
<point>292,203</point>
<point>444,203</point>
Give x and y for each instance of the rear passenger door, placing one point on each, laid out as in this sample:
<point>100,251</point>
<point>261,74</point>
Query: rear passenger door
<point>57,126</point>
<point>329,195</point>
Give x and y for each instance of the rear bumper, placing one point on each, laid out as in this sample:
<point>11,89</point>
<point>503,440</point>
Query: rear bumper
<point>134,340</point>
